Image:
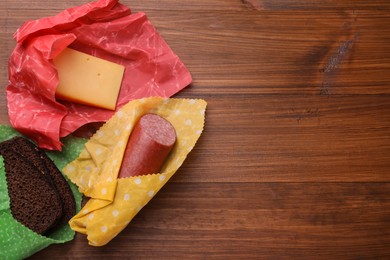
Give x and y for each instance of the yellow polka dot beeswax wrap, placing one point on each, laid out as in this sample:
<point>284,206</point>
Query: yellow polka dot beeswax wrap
<point>114,202</point>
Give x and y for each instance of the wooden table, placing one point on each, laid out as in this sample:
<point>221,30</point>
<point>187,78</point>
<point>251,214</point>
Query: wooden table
<point>294,161</point>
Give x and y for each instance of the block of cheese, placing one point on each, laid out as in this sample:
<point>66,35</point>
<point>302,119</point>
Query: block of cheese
<point>87,79</point>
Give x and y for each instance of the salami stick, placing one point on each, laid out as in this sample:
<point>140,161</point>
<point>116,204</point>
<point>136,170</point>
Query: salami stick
<point>149,144</point>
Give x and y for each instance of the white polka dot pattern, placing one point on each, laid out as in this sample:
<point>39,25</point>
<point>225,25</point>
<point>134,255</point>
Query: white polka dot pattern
<point>114,202</point>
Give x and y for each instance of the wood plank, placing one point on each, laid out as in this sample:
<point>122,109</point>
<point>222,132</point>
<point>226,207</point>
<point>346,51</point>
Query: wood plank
<point>220,5</point>
<point>335,53</point>
<point>249,220</point>
<point>281,138</point>
<point>5,51</point>
<point>292,139</point>
<point>294,159</point>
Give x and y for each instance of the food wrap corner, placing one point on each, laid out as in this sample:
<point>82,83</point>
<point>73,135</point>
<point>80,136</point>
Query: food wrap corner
<point>105,29</point>
<point>16,240</point>
<point>114,202</point>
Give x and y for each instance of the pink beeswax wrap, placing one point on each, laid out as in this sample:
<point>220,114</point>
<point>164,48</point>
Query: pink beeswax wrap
<point>114,202</point>
<point>105,29</point>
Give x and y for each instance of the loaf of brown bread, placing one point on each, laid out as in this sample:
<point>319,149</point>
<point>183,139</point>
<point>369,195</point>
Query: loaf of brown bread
<point>40,197</point>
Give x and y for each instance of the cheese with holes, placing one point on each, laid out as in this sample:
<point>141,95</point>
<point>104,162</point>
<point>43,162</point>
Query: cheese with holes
<point>88,80</point>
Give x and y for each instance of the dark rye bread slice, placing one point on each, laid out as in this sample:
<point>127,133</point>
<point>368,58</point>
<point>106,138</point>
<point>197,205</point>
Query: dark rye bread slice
<point>46,166</point>
<point>34,201</point>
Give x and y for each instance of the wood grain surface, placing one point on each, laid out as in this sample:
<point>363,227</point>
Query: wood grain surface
<point>294,161</point>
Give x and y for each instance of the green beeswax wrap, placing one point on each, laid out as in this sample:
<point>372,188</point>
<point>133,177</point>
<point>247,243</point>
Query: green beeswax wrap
<point>16,240</point>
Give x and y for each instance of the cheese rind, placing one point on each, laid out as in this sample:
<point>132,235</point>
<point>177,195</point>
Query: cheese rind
<point>87,79</point>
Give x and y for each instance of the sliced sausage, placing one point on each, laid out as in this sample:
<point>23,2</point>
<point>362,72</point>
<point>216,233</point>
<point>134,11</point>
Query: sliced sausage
<point>149,144</point>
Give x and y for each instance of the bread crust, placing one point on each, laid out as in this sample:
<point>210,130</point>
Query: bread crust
<point>19,153</point>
